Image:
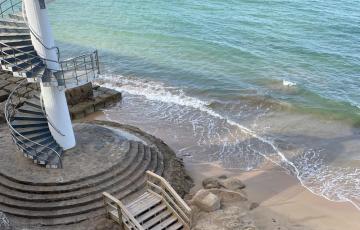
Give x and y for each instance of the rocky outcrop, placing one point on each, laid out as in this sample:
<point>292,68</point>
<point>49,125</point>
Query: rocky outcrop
<point>232,184</point>
<point>211,182</point>
<point>206,201</point>
<point>223,182</point>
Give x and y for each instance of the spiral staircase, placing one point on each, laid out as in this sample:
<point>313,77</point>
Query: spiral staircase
<point>26,117</point>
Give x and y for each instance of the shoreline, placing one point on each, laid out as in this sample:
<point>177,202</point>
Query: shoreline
<point>278,194</point>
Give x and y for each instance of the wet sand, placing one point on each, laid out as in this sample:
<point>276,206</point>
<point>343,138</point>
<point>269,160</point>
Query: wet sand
<point>279,193</point>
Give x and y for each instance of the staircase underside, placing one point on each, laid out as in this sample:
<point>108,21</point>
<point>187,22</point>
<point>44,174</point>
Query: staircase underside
<point>33,196</point>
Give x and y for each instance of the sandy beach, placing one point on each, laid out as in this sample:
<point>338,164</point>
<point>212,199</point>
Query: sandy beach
<point>281,194</point>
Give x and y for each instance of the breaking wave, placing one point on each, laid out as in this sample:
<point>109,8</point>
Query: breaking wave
<point>239,141</point>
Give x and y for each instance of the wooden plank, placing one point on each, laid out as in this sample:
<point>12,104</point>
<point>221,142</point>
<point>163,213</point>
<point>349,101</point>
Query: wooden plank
<point>176,226</point>
<point>157,219</point>
<point>144,205</point>
<point>163,225</point>
<point>152,212</point>
<point>171,190</point>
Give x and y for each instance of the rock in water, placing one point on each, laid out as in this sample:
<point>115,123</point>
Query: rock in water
<point>206,201</point>
<point>211,182</point>
<point>233,184</point>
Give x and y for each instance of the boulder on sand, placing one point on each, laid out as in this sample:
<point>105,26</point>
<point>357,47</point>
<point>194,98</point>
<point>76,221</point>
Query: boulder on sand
<point>232,184</point>
<point>206,201</point>
<point>211,182</point>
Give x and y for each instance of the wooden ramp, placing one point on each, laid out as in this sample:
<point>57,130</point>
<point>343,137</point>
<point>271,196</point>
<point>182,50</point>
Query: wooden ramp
<point>160,207</point>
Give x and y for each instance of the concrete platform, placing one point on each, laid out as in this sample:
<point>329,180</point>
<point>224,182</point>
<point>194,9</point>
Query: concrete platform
<point>98,148</point>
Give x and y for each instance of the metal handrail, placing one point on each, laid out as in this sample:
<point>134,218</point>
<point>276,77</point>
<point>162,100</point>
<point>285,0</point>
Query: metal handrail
<point>9,112</point>
<point>11,7</point>
<point>14,51</point>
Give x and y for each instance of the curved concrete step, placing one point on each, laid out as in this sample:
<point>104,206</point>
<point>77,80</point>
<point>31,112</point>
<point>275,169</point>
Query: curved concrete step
<point>75,213</point>
<point>74,185</point>
<point>44,199</point>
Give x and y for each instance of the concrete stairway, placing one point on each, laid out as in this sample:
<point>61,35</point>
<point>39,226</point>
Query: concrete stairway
<point>49,204</point>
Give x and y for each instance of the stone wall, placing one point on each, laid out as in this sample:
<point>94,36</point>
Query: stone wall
<point>82,100</point>
<point>89,99</point>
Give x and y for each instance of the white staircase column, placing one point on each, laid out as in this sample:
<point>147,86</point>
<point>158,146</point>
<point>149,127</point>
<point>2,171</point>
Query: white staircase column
<point>55,103</point>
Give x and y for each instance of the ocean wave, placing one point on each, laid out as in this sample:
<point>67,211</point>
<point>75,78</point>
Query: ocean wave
<point>288,83</point>
<point>308,167</point>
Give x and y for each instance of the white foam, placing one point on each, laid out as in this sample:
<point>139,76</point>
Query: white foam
<point>288,83</point>
<point>156,91</point>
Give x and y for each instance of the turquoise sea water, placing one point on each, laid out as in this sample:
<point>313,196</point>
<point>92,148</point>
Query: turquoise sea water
<point>234,81</point>
<point>221,48</point>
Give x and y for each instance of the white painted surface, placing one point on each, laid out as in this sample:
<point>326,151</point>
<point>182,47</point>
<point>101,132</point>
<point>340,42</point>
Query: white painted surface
<point>54,98</point>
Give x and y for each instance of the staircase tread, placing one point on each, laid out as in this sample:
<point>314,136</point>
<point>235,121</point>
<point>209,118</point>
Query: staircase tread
<point>160,218</point>
<point>140,205</point>
<point>71,211</point>
<point>40,64</point>
<point>15,40</point>
<point>25,122</point>
<point>87,197</point>
<point>67,188</point>
<point>152,212</point>
<point>22,114</point>
<point>17,47</point>
<point>164,224</point>
<point>13,27</point>
<point>178,225</point>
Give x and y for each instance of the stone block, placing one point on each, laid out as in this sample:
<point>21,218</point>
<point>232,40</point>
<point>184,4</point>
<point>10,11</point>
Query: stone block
<point>233,184</point>
<point>81,109</point>
<point>3,95</point>
<point>10,88</point>
<point>206,201</point>
<point>3,83</point>
<point>211,182</point>
<point>79,94</point>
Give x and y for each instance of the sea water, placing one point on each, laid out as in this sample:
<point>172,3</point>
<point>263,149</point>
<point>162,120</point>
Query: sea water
<point>235,82</point>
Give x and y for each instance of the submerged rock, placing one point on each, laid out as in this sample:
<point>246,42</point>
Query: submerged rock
<point>206,201</point>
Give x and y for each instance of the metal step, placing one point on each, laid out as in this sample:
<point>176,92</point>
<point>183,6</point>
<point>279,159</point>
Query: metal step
<point>32,71</point>
<point>31,130</point>
<point>34,103</point>
<point>28,109</point>
<point>28,124</point>
<point>17,17</point>
<point>9,22</point>
<point>16,49</point>
<point>15,36</point>
<point>22,117</point>
<point>20,42</point>
<point>18,57</point>
<point>32,62</point>
<point>13,29</point>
